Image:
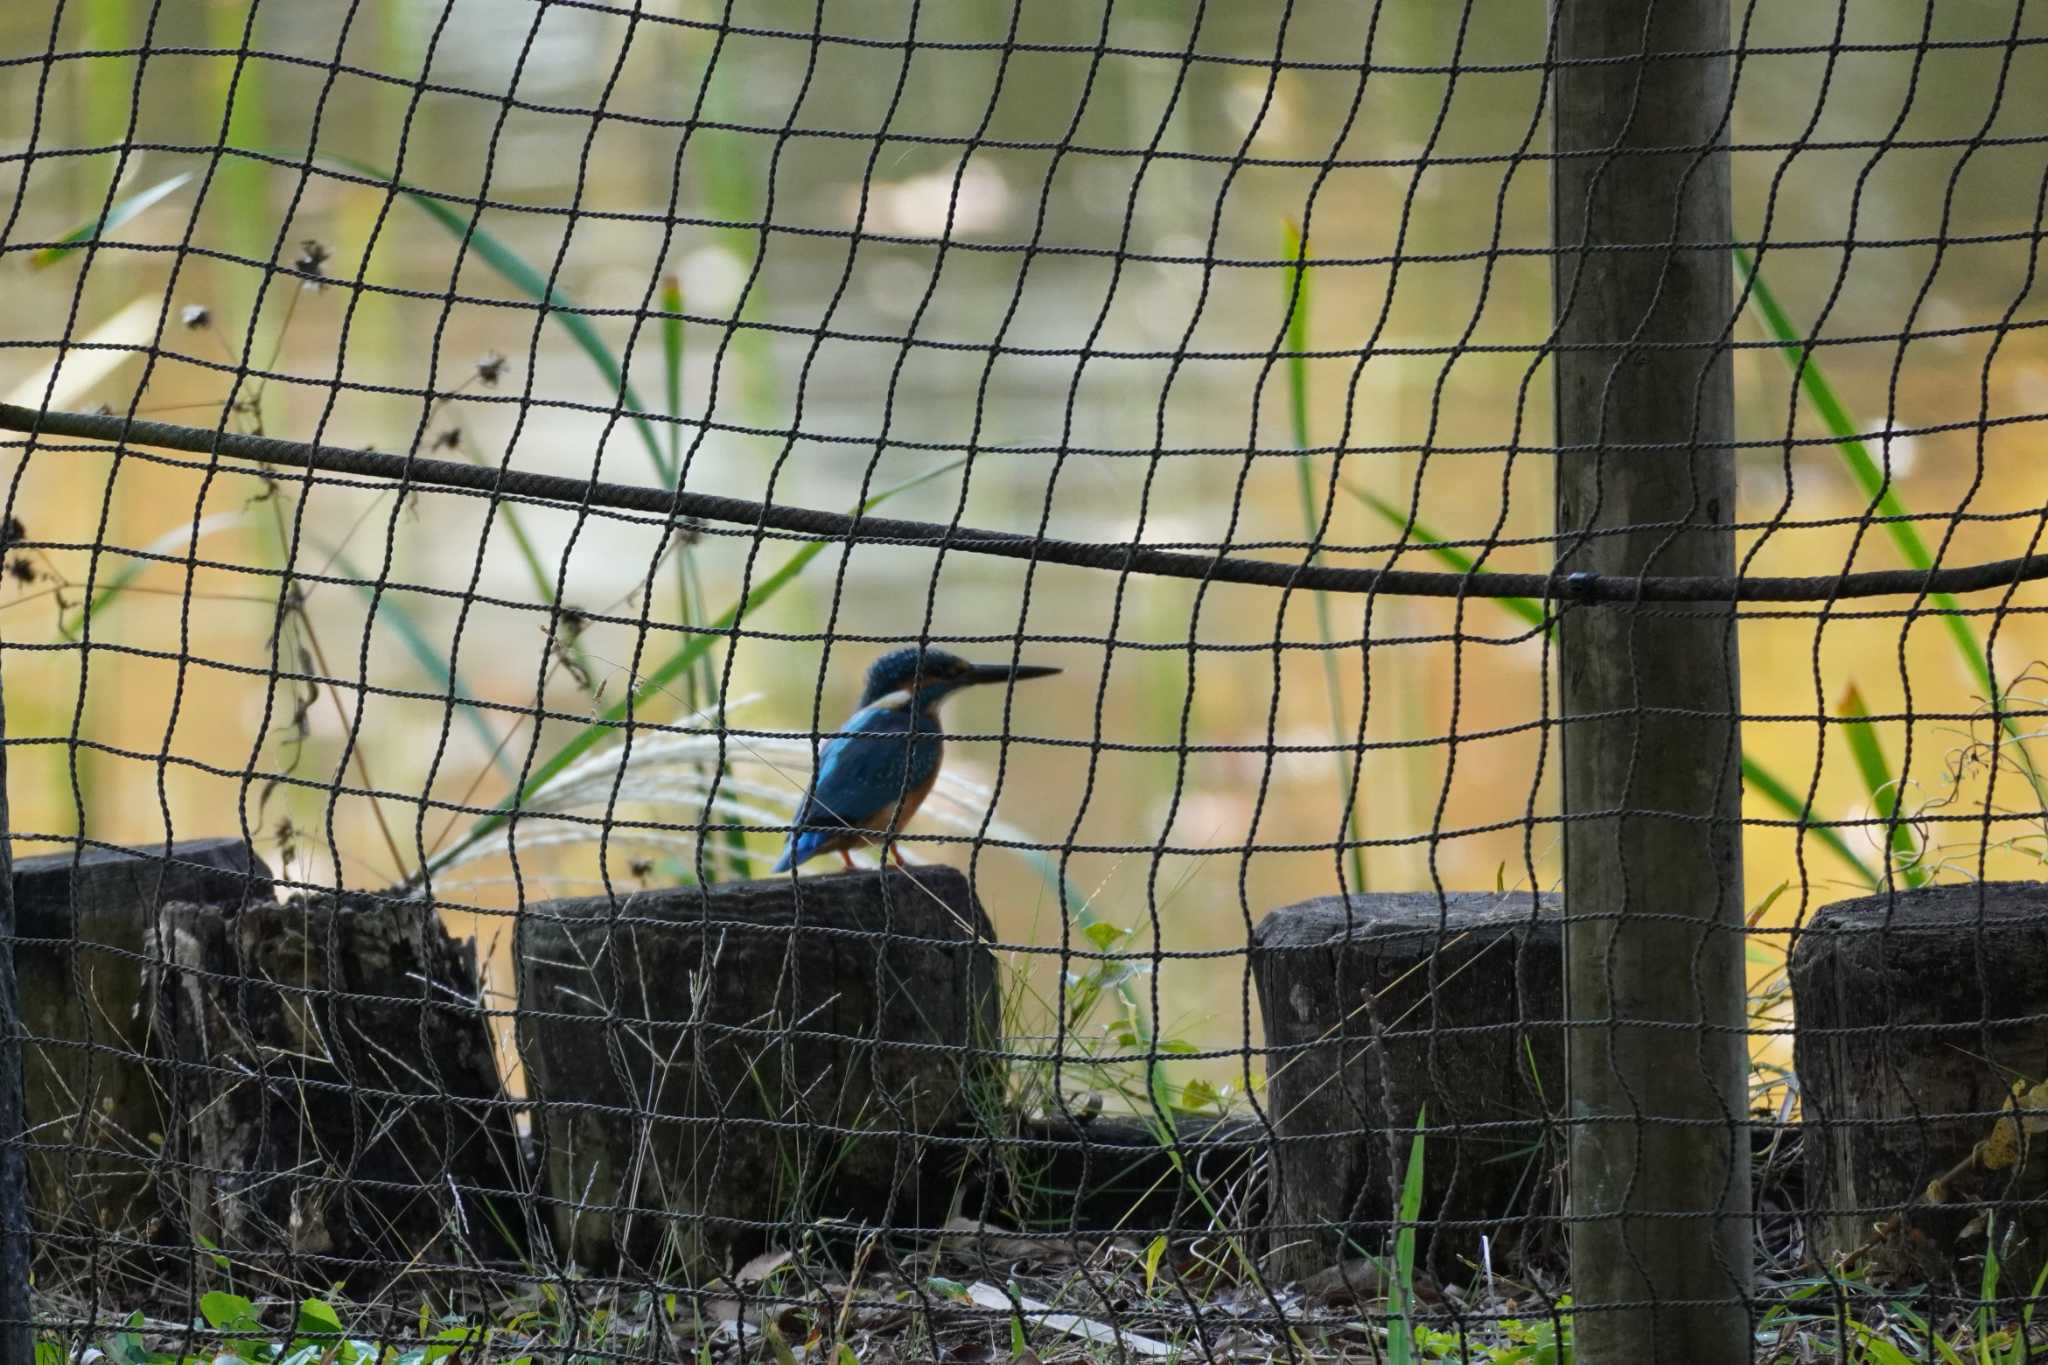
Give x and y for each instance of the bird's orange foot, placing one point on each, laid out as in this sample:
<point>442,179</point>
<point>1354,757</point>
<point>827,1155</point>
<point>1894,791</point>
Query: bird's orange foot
<point>847,858</point>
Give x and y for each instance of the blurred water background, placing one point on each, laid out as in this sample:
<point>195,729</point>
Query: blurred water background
<point>1134,395</point>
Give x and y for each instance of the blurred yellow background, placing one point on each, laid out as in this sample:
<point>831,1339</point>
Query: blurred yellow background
<point>1428,238</point>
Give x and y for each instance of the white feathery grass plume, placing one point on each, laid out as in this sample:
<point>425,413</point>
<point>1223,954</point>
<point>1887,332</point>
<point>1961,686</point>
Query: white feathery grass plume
<point>674,771</point>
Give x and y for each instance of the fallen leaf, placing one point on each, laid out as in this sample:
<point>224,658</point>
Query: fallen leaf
<point>2032,1098</point>
<point>987,1295</point>
<point>762,1266</point>
<point>1000,1242</point>
<point>1353,1281</point>
<point>783,1355</point>
<point>2002,1148</point>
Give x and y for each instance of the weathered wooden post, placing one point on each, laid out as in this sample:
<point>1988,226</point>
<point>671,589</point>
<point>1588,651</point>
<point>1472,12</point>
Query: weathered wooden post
<point>17,1331</point>
<point>1659,1171</point>
<point>716,1067</point>
<point>1387,1007</point>
<point>98,1093</point>
<point>341,1113</point>
<point>1922,1044</point>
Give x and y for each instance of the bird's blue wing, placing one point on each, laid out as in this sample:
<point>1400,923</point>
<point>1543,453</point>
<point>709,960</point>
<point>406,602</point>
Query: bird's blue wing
<point>867,767</point>
<point>881,754</point>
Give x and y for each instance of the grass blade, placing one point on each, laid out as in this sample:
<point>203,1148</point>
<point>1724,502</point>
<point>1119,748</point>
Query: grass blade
<point>422,649</point>
<point>672,361</point>
<point>1297,333</point>
<point>114,584</point>
<point>1765,784</point>
<point>1401,1291</point>
<point>529,553</point>
<point>239,195</point>
<point>534,285</point>
<point>1877,780</point>
<point>118,213</point>
<point>537,571</point>
<point>1877,485</point>
<point>1297,404</point>
<point>1792,345</point>
<point>93,358</point>
<point>1528,609</point>
<point>1987,1290</point>
<point>1879,1347</point>
<point>1758,778</point>
<point>699,682</point>
<point>656,682</point>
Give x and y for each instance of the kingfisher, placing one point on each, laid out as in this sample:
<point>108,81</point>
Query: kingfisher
<point>873,775</point>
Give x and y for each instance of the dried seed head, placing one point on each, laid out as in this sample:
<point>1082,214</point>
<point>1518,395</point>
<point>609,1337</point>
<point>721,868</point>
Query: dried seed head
<point>12,533</point>
<point>196,316</point>
<point>490,370</point>
<point>448,439</point>
<point>312,259</point>
<point>21,571</point>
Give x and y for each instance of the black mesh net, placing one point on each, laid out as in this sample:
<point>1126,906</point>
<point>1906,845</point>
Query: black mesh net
<point>465,457</point>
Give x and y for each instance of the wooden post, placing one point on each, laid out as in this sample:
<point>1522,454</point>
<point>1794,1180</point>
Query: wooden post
<point>341,1112</point>
<point>1920,1014</point>
<point>97,1087</point>
<point>715,1068</point>
<point>17,1331</point>
<point>1393,1005</point>
<point>1659,1173</point>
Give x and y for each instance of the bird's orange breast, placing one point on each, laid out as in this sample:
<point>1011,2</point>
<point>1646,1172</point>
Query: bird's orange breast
<point>894,817</point>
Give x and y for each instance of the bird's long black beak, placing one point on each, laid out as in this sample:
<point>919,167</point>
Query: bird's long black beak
<point>994,673</point>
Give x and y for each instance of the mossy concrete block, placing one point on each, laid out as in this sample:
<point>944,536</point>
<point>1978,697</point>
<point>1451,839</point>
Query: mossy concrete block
<point>714,1069</point>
